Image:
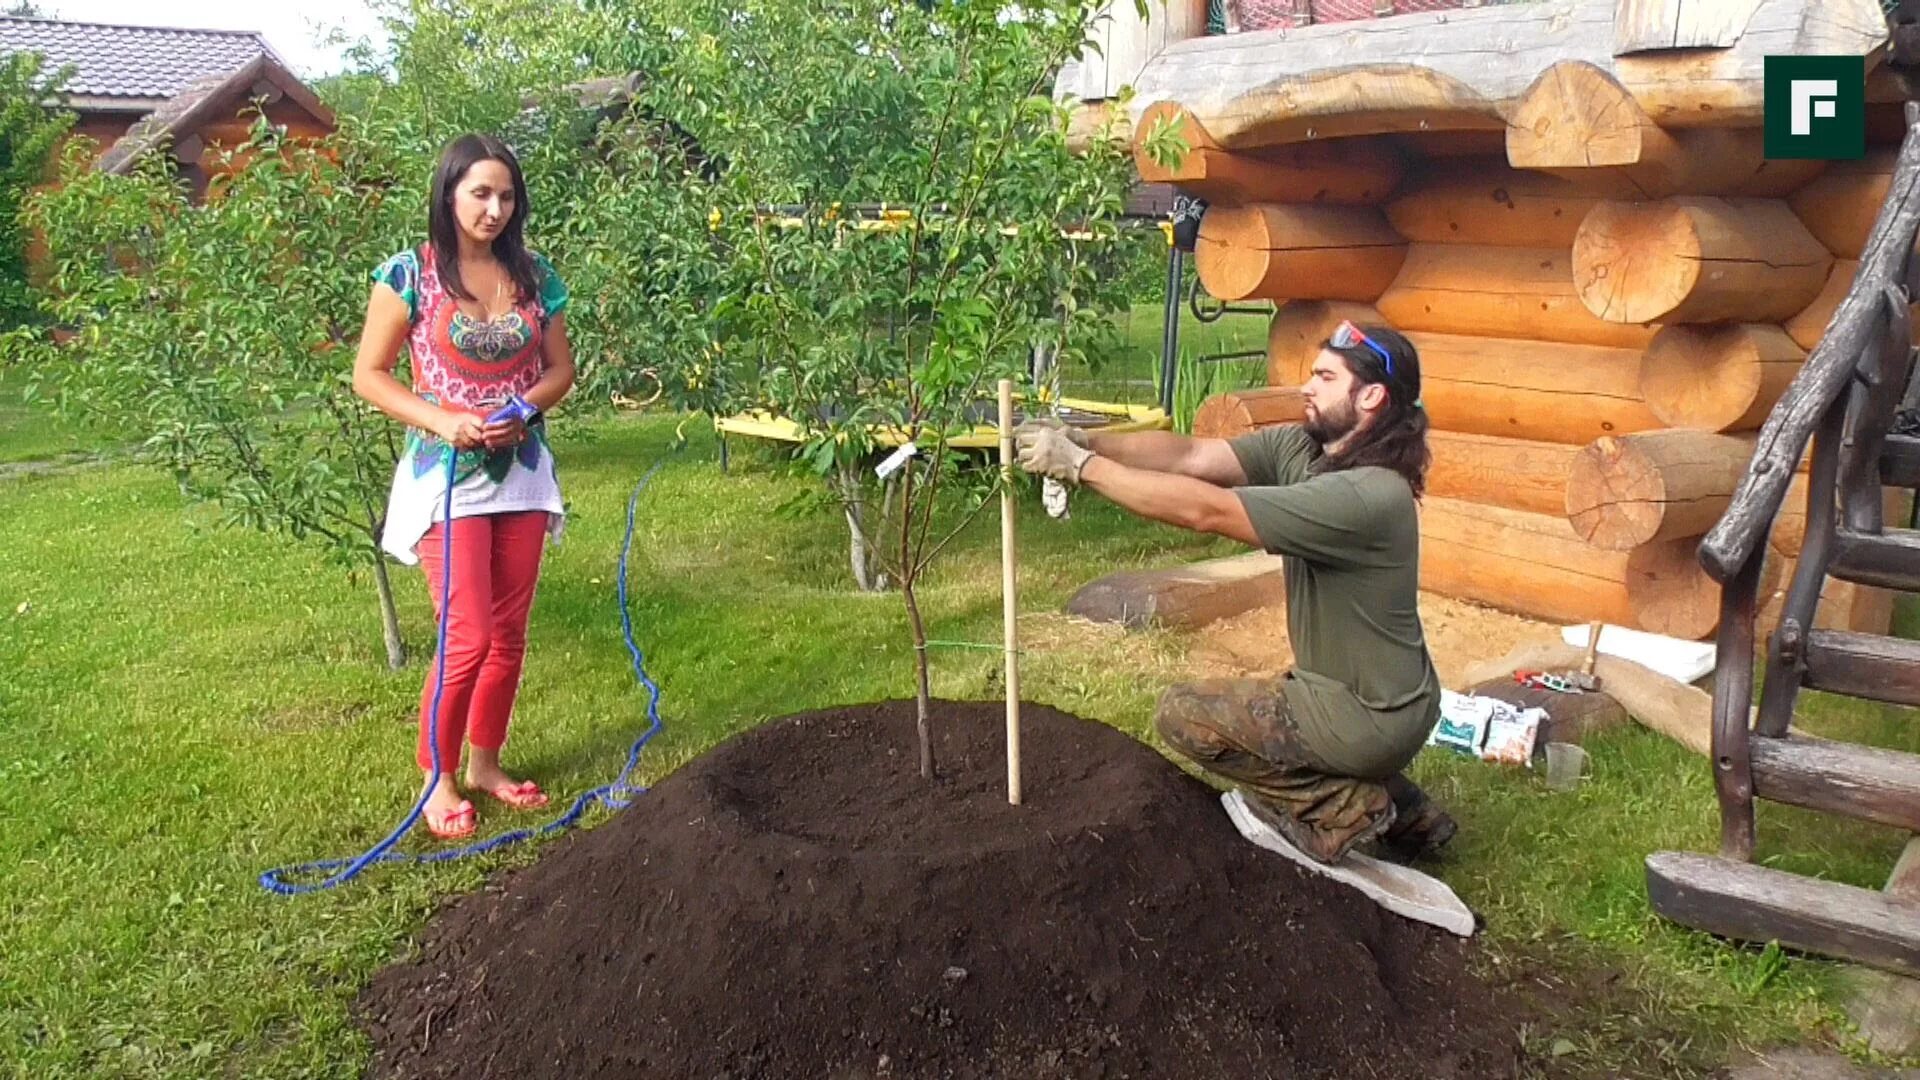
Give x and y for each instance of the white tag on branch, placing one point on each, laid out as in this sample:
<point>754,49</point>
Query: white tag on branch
<point>1053,495</point>
<point>895,460</point>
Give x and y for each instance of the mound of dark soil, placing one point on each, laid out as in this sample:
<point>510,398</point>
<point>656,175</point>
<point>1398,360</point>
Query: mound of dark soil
<point>799,903</point>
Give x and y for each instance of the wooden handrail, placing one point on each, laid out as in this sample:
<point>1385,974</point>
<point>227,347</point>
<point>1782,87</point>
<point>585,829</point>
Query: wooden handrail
<point>1741,532</point>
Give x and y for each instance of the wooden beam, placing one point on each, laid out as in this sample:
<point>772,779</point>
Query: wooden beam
<point>1865,666</point>
<point>1725,377</point>
<point>1300,327</point>
<point>1480,201</point>
<point>1642,25</point>
<point>1746,902</point>
<point>1864,783</point>
<point>1839,206</point>
<point>1577,115</point>
<point>1347,172</point>
<point>1672,594</point>
<point>1697,260</point>
<point>1890,560</point>
<point>1630,490</point>
<point>1123,38</point>
<point>1467,70</point>
<point>1297,252</point>
<point>1242,412</point>
<point>1539,390</point>
<point>1519,474</point>
<point>1183,597</point>
<point>1501,292</point>
<point>1531,564</point>
<point>1577,122</point>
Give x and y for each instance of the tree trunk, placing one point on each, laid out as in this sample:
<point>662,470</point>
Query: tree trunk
<point>922,693</point>
<point>389,615</point>
<point>861,551</point>
<point>922,690</point>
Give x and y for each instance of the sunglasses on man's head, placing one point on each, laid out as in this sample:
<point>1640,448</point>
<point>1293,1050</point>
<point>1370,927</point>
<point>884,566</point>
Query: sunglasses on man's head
<point>1347,335</point>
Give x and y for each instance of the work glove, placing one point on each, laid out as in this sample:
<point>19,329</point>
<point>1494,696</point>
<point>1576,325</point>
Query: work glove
<point>1050,423</point>
<point>1051,452</point>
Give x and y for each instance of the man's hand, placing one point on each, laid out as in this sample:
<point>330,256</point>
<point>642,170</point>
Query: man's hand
<point>1050,423</point>
<point>1047,451</point>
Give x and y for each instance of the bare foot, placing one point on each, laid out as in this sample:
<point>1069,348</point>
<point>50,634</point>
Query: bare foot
<point>485,774</point>
<point>447,812</point>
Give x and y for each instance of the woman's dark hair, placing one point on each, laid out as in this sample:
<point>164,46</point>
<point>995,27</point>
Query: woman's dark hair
<point>443,231</point>
<point>1397,437</point>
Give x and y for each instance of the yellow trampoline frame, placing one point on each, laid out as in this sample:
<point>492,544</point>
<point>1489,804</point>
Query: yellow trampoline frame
<point>763,425</point>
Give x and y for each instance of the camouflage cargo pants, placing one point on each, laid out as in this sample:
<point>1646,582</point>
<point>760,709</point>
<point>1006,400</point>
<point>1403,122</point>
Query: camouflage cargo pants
<point>1242,730</point>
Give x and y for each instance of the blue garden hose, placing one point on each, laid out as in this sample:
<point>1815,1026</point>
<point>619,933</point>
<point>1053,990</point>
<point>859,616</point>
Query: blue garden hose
<point>614,796</point>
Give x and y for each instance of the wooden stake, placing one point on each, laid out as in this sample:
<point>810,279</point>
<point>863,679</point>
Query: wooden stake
<point>1007,593</point>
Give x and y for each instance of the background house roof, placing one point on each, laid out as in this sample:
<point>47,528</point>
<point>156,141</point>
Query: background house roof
<point>140,64</point>
<point>209,98</point>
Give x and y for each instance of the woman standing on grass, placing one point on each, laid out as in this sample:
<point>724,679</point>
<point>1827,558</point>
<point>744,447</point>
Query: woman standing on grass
<point>483,320</point>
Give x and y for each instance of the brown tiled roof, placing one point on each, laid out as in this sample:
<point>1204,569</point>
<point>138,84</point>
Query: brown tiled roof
<point>208,98</point>
<point>134,62</point>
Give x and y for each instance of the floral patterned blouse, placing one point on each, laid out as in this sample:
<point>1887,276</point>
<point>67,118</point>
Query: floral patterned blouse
<point>476,365</point>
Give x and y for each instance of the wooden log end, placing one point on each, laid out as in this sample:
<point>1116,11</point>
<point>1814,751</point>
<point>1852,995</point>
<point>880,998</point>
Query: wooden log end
<point>1297,252</point>
<point>1576,115</point>
<point>1615,495</point>
<point>1300,327</point>
<point>1158,117</point>
<point>1697,260</point>
<point>1717,378</point>
<point>1242,412</point>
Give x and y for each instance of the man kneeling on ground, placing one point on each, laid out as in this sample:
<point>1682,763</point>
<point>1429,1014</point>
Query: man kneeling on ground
<point>1319,750</point>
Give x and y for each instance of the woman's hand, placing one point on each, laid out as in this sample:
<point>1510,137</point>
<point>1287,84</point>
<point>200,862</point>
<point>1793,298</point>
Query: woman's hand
<point>504,433</point>
<point>463,429</point>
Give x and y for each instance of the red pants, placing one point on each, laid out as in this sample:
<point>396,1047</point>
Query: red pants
<point>496,561</point>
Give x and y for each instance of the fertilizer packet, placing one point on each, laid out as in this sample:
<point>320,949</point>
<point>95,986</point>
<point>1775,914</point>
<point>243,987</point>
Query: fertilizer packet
<point>1511,734</point>
<point>1463,722</point>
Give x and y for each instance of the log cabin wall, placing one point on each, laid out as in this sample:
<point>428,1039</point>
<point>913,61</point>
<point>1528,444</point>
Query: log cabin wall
<point>1606,310</point>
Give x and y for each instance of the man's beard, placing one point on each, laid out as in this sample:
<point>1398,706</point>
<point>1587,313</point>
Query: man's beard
<point>1329,426</point>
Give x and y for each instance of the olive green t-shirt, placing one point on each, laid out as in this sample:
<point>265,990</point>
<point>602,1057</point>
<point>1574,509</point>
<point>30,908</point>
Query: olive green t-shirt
<point>1363,691</point>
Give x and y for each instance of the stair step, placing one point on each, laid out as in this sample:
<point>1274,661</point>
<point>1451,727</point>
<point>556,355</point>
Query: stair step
<point>1864,665</point>
<point>1861,782</point>
<point>1754,903</point>
<point>1900,461</point>
<point>1890,560</point>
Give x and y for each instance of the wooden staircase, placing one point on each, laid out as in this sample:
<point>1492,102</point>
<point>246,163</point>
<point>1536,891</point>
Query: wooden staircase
<point>1845,399</point>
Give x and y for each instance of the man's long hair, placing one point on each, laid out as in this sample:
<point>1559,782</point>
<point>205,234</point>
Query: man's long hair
<point>443,231</point>
<point>1396,437</point>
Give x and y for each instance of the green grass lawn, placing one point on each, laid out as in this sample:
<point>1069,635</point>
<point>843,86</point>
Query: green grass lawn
<point>185,706</point>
